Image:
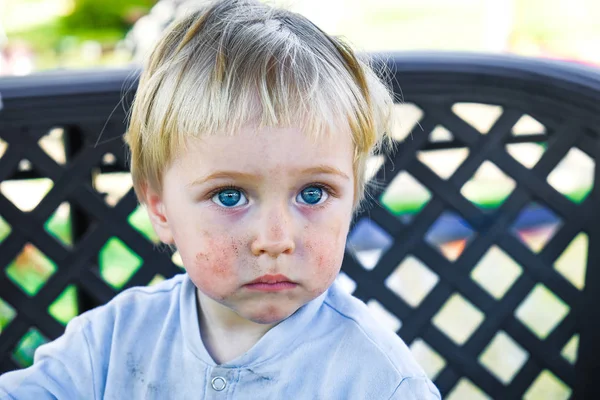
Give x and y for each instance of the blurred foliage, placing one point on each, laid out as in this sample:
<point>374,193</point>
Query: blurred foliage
<point>57,40</point>
<point>105,15</point>
<point>105,21</point>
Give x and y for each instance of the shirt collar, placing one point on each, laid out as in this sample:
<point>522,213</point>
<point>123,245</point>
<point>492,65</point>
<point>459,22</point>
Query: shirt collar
<point>274,342</point>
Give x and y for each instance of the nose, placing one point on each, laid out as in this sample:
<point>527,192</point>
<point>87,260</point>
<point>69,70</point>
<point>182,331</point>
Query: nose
<point>274,233</point>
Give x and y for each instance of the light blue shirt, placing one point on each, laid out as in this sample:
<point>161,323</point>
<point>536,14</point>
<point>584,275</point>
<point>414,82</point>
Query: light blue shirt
<point>146,344</point>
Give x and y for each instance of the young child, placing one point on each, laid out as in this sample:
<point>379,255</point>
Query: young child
<point>248,137</point>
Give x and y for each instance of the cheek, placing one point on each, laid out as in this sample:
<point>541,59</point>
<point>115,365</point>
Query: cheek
<point>325,249</point>
<point>213,266</point>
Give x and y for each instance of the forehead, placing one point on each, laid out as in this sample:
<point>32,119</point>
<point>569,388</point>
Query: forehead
<point>253,148</point>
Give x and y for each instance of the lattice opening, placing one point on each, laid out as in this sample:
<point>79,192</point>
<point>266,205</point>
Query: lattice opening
<point>528,154</point>
<point>573,176</point>
<point>535,226</point>
<point>53,144</point>
<point>3,147</point>
<point>458,319</point>
<point>5,229</point>
<point>109,159</point>
<point>23,352</point>
<point>7,314</point>
<point>444,162</point>
<point>489,187</point>
<point>118,263</point>
<point>450,235</point>
<point>374,163</point>
<point>30,270</point>
<point>431,362</point>
<point>547,386</point>
<point>65,307</point>
<point>140,221</point>
<point>496,272</point>
<point>527,125</point>
<point>158,278</point>
<point>480,116</point>
<point>465,389</point>
<point>24,165</point>
<point>440,134</point>
<point>59,224</point>
<point>406,118</point>
<point>412,281</point>
<point>405,196</point>
<point>384,316</point>
<point>503,357</point>
<point>569,352</point>
<point>176,258</point>
<point>541,311</point>
<point>346,283</point>
<point>26,194</point>
<point>367,242</point>
<point>112,186</point>
<point>572,263</point>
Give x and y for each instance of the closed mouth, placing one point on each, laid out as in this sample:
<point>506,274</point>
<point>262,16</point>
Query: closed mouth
<point>271,283</point>
<point>271,279</point>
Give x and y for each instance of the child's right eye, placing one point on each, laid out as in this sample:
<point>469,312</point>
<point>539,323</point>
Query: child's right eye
<point>230,198</point>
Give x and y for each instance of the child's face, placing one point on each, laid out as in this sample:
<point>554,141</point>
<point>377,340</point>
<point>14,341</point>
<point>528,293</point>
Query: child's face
<point>266,202</point>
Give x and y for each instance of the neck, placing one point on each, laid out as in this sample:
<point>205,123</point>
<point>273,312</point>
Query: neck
<point>225,334</point>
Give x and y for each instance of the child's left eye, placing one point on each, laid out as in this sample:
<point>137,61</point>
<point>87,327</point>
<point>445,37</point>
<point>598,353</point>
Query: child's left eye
<point>312,195</point>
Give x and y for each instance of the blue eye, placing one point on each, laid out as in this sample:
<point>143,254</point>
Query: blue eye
<point>230,198</point>
<point>311,195</point>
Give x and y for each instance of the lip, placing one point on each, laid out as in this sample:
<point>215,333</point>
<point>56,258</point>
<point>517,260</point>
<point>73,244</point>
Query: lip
<point>271,283</point>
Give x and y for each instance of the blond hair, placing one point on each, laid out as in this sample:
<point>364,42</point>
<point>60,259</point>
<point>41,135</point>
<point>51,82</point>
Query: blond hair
<point>235,62</point>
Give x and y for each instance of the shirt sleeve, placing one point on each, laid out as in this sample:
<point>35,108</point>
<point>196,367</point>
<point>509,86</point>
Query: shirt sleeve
<point>416,389</point>
<point>62,369</point>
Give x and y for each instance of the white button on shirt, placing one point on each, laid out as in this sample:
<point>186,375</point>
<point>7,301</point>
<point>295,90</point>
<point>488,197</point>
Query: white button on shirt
<point>219,383</point>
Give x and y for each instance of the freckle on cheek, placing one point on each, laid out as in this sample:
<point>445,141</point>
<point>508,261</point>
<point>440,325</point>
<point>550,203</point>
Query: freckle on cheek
<point>220,270</point>
<point>235,247</point>
<point>321,261</point>
<point>200,257</point>
<point>326,259</point>
<point>217,267</point>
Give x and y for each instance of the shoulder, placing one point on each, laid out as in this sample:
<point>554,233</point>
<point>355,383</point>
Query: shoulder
<point>375,362</point>
<point>142,297</point>
<point>384,346</point>
<point>76,365</point>
<point>135,307</point>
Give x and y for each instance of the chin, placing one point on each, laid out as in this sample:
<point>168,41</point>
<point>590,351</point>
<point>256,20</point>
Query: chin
<point>270,315</point>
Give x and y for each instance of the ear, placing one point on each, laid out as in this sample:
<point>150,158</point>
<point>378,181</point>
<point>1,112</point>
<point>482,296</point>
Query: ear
<point>157,213</point>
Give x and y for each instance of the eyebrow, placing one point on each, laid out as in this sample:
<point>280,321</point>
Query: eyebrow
<point>324,169</point>
<point>222,175</point>
<point>320,169</point>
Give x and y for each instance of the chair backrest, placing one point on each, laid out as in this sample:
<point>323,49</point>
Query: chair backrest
<point>478,246</point>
